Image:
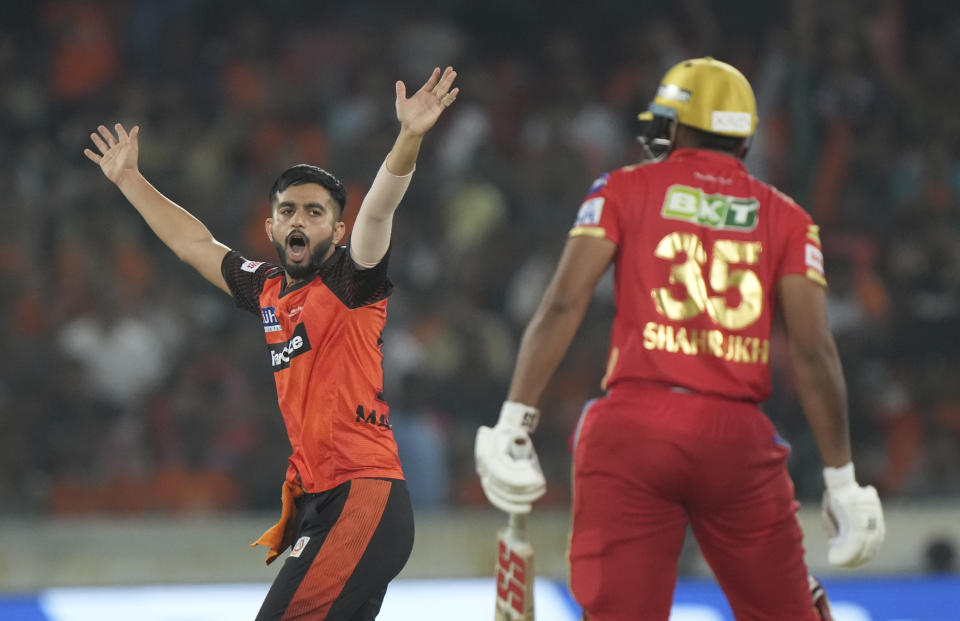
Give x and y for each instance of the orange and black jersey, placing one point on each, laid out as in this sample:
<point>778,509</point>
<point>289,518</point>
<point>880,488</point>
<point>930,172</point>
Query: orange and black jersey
<point>324,338</point>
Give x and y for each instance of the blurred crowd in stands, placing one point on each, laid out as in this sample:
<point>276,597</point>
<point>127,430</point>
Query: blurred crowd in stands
<point>128,384</point>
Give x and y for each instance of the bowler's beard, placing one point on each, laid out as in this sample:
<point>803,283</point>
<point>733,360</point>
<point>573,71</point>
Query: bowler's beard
<point>317,257</point>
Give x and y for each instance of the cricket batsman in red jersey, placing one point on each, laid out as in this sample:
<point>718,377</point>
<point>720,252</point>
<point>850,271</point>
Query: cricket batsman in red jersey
<point>703,255</point>
<point>346,511</point>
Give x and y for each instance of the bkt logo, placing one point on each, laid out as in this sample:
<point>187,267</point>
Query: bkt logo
<point>282,353</point>
<point>715,211</point>
<point>270,321</point>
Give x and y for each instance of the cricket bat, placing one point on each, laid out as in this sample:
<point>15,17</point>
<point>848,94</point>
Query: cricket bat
<point>514,572</point>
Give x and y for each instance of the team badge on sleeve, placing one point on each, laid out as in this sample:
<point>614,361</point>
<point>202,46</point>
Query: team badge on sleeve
<point>813,257</point>
<point>590,212</point>
<point>270,321</point>
<point>598,183</point>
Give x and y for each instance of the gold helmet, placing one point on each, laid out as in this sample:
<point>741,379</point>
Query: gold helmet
<point>705,94</point>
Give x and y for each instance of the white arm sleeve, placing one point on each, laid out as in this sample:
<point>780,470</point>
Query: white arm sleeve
<point>371,231</point>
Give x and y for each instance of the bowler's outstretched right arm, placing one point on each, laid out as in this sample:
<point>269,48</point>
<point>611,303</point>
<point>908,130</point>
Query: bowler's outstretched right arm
<point>189,238</point>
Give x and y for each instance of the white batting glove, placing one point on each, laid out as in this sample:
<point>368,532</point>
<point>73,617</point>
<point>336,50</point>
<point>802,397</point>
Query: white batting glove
<point>853,517</point>
<point>506,462</point>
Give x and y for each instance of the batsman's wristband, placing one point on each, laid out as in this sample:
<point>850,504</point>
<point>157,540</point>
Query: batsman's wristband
<point>514,414</point>
<point>839,477</point>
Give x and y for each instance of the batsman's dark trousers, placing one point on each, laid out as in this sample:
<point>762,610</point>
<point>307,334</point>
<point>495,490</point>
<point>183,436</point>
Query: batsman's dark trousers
<point>350,542</point>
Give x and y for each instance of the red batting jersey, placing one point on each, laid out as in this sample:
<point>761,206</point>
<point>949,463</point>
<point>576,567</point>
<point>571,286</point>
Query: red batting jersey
<point>701,246</point>
<point>323,337</point>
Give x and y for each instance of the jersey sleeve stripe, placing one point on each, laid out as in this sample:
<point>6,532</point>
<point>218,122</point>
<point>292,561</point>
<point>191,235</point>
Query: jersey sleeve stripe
<point>588,231</point>
<point>816,277</point>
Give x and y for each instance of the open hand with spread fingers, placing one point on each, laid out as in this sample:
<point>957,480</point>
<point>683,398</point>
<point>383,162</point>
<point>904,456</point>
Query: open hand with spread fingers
<point>418,113</point>
<point>118,155</point>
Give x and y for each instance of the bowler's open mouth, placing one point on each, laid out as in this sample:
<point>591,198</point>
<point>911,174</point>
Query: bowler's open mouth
<point>296,246</point>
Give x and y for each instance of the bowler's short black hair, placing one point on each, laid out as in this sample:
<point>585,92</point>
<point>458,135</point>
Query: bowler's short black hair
<point>305,173</point>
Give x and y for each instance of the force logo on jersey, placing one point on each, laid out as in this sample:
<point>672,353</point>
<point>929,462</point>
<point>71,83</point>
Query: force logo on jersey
<point>590,212</point>
<point>270,321</point>
<point>715,211</point>
<point>282,353</point>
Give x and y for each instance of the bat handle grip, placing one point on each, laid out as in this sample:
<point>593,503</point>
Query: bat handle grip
<point>518,524</point>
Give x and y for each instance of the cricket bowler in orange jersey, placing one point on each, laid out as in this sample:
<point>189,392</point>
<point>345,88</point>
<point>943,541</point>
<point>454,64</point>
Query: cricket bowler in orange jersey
<point>703,255</point>
<point>346,511</point>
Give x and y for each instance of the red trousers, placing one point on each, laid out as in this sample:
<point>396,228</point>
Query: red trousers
<point>649,460</point>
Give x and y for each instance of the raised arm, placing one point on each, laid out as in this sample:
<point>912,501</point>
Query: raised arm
<point>417,114</point>
<point>189,239</point>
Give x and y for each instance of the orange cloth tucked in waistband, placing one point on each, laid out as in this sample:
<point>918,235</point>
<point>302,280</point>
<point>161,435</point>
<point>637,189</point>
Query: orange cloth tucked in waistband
<point>279,536</point>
